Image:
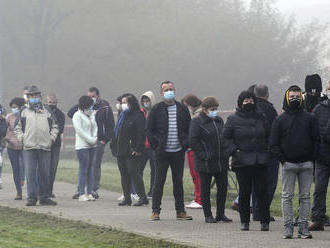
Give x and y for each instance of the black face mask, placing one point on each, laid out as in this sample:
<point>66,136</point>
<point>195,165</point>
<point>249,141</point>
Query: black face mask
<point>249,107</point>
<point>294,103</point>
<point>52,107</point>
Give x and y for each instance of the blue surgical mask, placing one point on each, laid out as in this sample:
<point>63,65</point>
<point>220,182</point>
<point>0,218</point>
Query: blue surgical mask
<point>169,95</point>
<point>147,105</point>
<point>34,101</point>
<point>15,110</point>
<point>213,114</point>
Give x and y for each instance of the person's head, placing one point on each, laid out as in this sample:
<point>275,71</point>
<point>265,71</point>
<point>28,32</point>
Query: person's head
<point>167,90</point>
<point>210,106</point>
<point>261,91</point>
<point>251,88</point>
<point>16,104</point>
<point>191,101</point>
<point>94,93</point>
<point>34,96</point>
<point>246,101</point>
<point>147,100</point>
<point>130,103</point>
<point>293,98</point>
<point>86,105</point>
<point>51,100</point>
<point>313,85</point>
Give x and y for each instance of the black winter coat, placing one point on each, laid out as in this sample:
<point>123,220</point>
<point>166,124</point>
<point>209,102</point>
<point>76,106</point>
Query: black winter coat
<point>246,136</point>
<point>206,142</point>
<point>295,137</point>
<point>157,126</point>
<point>267,109</point>
<point>131,136</point>
<point>60,121</point>
<point>322,114</point>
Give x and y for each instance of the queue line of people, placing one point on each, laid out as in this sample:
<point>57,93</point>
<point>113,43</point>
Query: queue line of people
<point>251,142</point>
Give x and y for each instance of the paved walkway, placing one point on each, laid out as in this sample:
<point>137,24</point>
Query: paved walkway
<point>106,212</point>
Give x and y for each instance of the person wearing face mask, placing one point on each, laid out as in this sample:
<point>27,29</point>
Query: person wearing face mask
<point>105,124</point>
<point>15,147</point>
<point>246,135</point>
<point>168,131</point>
<point>209,157</point>
<point>56,147</point>
<point>37,129</point>
<point>86,141</point>
<point>147,102</point>
<point>193,103</point>
<point>322,166</point>
<point>128,146</point>
<point>313,88</point>
<point>294,142</point>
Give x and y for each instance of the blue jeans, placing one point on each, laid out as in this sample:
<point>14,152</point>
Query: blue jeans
<point>16,160</point>
<point>86,173</point>
<point>37,165</point>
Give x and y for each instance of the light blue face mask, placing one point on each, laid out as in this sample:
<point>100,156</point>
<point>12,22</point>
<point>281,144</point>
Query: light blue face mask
<point>15,110</point>
<point>34,100</point>
<point>147,105</point>
<point>169,95</point>
<point>213,114</point>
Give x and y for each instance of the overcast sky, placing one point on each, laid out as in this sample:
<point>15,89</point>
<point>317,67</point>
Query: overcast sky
<point>306,10</point>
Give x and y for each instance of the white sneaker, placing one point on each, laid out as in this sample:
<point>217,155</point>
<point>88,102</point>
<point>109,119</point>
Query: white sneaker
<point>135,197</point>
<point>120,198</point>
<point>194,205</point>
<point>0,183</point>
<point>91,197</point>
<point>83,198</point>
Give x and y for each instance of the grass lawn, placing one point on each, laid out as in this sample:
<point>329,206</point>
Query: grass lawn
<point>20,229</point>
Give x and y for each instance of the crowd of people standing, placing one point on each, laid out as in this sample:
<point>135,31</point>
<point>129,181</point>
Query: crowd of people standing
<point>252,142</point>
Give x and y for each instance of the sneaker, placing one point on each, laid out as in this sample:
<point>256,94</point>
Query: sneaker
<point>245,226</point>
<point>183,216</point>
<point>91,197</point>
<point>288,232</point>
<point>121,198</point>
<point>47,202</point>
<point>31,202</point>
<point>234,206</point>
<point>303,231</point>
<point>223,218</point>
<point>264,227</point>
<point>194,205</point>
<point>83,198</point>
<point>154,216</point>
<point>210,219</point>
<point>76,196</point>
<point>141,202</point>
<point>135,197</point>
<point>95,195</point>
<point>316,227</point>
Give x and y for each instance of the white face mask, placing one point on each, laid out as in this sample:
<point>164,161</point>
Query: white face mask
<point>124,106</point>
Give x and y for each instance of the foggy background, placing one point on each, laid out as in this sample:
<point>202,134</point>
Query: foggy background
<point>207,47</point>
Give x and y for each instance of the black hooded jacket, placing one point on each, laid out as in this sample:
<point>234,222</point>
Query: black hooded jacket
<point>295,135</point>
<point>322,114</point>
<point>208,146</point>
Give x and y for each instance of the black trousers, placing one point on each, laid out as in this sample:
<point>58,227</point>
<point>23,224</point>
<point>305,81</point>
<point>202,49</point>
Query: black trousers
<point>322,176</point>
<point>129,169</point>
<point>256,176</point>
<point>221,181</point>
<point>175,160</point>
